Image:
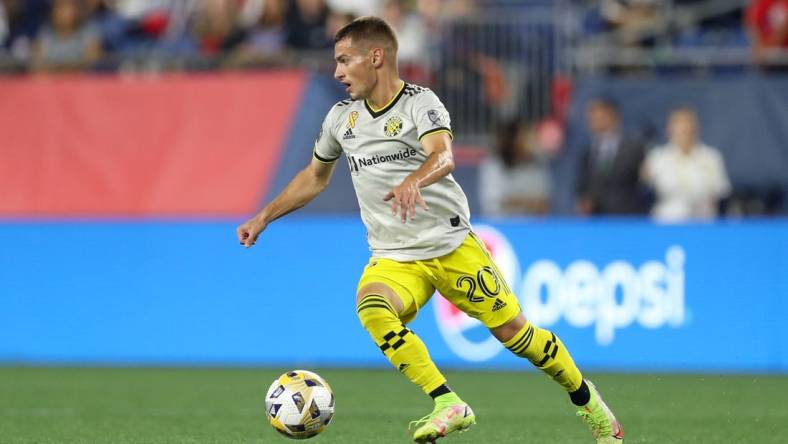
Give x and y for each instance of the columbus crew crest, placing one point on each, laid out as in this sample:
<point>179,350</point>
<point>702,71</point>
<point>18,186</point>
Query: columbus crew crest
<point>393,126</point>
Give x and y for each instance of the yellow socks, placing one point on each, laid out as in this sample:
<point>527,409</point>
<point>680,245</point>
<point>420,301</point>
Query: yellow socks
<point>401,346</point>
<point>547,353</point>
<point>409,355</point>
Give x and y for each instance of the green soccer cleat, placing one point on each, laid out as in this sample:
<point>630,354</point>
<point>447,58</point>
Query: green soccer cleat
<point>447,417</point>
<point>603,424</point>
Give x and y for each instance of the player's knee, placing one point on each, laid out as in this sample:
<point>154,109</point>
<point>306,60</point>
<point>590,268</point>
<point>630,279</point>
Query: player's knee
<point>374,309</point>
<point>509,330</point>
<point>520,339</point>
<point>379,289</point>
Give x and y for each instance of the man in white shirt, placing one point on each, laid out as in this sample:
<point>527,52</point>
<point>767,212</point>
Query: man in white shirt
<point>689,178</point>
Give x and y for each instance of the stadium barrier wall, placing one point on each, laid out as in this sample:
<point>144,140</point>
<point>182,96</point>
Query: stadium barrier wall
<point>623,294</point>
<point>176,144</point>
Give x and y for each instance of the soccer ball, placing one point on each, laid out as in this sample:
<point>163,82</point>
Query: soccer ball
<point>299,404</point>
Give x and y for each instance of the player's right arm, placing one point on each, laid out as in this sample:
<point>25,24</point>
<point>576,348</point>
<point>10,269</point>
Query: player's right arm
<point>304,187</point>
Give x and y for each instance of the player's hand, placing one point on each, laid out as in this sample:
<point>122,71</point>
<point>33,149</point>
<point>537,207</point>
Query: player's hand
<point>248,232</point>
<point>404,198</point>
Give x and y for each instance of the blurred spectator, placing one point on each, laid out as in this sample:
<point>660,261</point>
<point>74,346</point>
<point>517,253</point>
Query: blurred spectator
<point>767,21</point>
<point>136,9</point>
<point>20,21</point>
<point>355,7</point>
<point>68,41</point>
<point>634,20</point>
<point>412,36</point>
<point>134,28</point>
<point>472,77</point>
<point>429,11</point>
<point>153,19</point>
<point>335,21</point>
<point>410,30</point>
<point>306,25</point>
<point>457,9</point>
<point>3,22</point>
<point>266,38</point>
<point>95,8</point>
<point>688,177</point>
<point>250,12</point>
<point>610,168</point>
<point>216,26</point>
<point>112,27</point>
<point>516,180</point>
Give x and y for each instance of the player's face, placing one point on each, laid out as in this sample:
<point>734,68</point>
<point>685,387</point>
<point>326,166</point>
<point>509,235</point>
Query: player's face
<point>354,69</point>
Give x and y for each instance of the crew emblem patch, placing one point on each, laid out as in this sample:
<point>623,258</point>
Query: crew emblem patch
<point>393,126</point>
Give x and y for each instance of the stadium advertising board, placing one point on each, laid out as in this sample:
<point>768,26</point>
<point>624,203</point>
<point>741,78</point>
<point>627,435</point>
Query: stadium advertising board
<point>623,295</point>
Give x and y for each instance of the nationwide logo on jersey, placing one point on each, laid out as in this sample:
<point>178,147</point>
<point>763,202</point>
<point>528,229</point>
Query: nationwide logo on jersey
<point>351,123</point>
<point>393,126</point>
<point>356,163</point>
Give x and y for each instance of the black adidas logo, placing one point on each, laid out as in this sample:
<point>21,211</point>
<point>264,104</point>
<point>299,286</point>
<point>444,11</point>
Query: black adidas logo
<point>499,304</point>
<point>349,134</point>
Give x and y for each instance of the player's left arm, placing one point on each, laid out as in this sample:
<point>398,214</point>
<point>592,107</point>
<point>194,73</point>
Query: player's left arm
<point>439,163</point>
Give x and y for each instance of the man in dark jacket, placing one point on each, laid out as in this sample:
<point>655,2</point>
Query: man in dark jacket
<point>608,179</point>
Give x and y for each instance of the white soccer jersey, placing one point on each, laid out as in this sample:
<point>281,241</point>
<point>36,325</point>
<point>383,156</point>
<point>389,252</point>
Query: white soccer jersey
<point>382,148</point>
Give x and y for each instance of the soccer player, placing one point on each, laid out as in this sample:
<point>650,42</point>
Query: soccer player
<point>397,141</point>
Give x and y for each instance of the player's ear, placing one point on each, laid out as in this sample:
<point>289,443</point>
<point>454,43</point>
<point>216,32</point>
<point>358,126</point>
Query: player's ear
<point>377,57</point>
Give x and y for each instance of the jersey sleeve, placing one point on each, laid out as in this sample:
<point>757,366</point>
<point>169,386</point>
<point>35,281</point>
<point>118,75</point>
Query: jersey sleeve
<point>327,148</point>
<point>430,115</point>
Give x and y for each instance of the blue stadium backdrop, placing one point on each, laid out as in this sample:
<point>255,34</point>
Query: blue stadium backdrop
<point>624,295</point>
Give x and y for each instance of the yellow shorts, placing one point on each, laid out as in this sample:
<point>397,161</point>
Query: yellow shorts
<point>467,277</point>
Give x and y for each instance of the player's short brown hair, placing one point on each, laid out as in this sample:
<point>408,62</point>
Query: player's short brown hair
<point>369,29</point>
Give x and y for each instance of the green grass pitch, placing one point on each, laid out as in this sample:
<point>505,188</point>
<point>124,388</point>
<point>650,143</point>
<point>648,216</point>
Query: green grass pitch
<point>225,406</point>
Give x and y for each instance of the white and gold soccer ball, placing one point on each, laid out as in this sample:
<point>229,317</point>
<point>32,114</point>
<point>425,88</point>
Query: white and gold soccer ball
<point>299,404</point>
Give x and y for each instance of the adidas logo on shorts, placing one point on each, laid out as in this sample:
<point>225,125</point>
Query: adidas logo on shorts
<point>499,304</point>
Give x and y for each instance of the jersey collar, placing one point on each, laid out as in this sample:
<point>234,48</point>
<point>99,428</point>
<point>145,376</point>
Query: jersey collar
<point>377,113</point>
